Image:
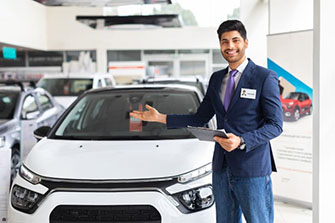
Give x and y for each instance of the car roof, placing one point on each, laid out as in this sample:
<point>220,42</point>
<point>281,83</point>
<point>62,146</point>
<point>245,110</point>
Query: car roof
<point>167,88</point>
<point>75,75</point>
<point>176,79</point>
<point>10,88</point>
<point>17,89</point>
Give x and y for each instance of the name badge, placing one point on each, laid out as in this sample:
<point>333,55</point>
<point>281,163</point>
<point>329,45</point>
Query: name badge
<point>248,93</point>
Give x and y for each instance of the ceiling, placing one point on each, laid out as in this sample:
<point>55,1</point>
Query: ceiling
<point>100,3</point>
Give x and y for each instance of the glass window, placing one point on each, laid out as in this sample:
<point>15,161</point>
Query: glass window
<point>105,115</point>
<point>29,107</point>
<point>123,55</point>
<point>44,101</point>
<point>218,58</point>
<point>18,62</point>
<point>65,86</point>
<point>196,51</point>
<point>217,69</point>
<point>74,55</point>
<point>45,58</point>
<point>192,68</point>
<point>159,51</point>
<point>160,68</point>
<point>7,104</point>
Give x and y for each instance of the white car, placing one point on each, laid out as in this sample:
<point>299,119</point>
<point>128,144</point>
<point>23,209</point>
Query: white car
<point>98,165</point>
<point>67,87</point>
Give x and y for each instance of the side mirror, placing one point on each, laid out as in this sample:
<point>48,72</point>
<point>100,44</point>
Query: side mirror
<point>41,132</point>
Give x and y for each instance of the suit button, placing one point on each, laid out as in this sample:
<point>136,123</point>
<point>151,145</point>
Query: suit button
<point>225,119</point>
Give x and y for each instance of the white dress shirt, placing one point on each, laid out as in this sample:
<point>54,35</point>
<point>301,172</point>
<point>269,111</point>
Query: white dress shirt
<point>237,77</point>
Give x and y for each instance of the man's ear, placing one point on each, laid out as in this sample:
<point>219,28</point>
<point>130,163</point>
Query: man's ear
<point>246,42</point>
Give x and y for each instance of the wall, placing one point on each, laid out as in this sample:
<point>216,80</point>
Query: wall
<point>324,119</point>
<point>254,15</point>
<point>23,23</point>
<point>290,15</point>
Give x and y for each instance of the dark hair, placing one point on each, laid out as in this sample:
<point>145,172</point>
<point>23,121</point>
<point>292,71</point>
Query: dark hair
<point>232,25</point>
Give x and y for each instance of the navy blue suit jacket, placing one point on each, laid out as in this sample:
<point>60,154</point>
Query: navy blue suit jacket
<point>256,120</point>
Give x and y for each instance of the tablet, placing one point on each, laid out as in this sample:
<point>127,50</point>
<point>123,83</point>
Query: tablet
<point>206,134</point>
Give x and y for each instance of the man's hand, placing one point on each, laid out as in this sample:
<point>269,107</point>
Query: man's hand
<point>152,115</point>
<point>229,144</point>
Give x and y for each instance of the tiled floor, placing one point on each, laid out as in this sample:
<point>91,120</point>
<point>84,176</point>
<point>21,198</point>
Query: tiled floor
<point>289,213</point>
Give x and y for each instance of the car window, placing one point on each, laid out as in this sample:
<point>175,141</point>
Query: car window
<point>44,101</point>
<point>8,102</point>
<point>29,106</point>
<point>65,86</point>
<point>292,95</point>
<point>99,83</point>
<point>105,115</point>
<point>108,81</point>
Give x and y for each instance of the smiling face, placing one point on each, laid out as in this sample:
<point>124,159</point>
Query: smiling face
<point>233,48</point>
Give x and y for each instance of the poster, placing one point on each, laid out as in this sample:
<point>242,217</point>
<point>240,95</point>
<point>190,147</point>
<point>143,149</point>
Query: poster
<point>292,62</point>
<point>5,162</point>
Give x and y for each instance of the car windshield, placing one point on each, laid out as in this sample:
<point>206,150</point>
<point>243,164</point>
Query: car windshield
<point>292,95</point>
<point>65,86</point>
<point>7,104</point>
<point>105,115</point>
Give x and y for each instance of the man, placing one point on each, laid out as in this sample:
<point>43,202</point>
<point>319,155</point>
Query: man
<point>242,164</point>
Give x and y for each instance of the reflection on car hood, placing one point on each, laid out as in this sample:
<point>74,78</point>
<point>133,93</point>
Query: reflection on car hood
<point>104,160</point>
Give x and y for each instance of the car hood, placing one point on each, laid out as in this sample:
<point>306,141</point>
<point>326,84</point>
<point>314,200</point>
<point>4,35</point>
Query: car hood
<point>288,100</point>
<point>115,160</point>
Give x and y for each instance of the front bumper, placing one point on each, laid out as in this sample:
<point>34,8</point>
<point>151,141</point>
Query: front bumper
<point>84,200</point>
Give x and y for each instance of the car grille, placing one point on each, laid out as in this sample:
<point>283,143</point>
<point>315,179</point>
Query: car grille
<point>112,214</point>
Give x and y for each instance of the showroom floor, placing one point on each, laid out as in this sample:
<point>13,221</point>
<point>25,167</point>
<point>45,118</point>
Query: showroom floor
<point>289,213</point>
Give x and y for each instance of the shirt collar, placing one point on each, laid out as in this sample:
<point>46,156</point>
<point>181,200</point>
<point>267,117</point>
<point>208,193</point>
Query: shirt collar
<point>241,67</point>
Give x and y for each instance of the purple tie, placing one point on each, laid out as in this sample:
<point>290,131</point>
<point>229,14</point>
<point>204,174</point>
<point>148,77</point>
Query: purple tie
<point>229,89</point>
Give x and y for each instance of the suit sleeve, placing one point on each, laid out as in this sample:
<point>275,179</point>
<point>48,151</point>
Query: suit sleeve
<point>204,113</point>
<point>272,112</point>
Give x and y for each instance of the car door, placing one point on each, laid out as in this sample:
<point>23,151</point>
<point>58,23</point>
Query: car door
<point>304,103</point>
<point>49,110</point>
<point>29,115</point>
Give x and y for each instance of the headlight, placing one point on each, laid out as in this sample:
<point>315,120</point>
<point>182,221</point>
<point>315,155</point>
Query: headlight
<point>29,176</point>
<point>24,200</point>
<point>195,174</point>
<point>291,103</point>
<point>197,199</point>
<point>2,141</point>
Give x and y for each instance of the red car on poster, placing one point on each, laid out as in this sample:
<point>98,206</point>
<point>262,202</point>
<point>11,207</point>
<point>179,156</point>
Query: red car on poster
<point>296,104</point>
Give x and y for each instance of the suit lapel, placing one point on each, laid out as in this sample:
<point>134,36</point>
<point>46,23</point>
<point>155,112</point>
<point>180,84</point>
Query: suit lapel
<point>246,75</point>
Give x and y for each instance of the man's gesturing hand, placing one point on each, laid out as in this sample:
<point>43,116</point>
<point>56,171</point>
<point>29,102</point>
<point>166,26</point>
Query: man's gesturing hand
<point>229,144</point>
<point>152,115</point>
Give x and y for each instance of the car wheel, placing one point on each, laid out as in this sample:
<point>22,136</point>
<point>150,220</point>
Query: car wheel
<point>15,161</point>
<point>310,110</point>
<point>296,114</point>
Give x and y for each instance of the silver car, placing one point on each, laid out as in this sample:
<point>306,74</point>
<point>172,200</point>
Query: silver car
<point>22,110</point>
